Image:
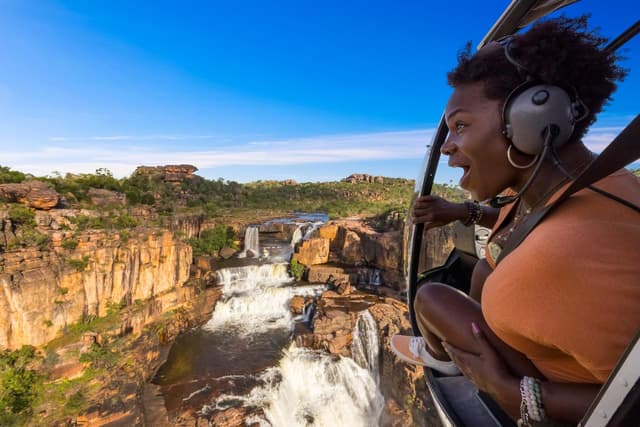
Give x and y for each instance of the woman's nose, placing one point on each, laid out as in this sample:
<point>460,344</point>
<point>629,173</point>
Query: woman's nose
<point>448,147</point>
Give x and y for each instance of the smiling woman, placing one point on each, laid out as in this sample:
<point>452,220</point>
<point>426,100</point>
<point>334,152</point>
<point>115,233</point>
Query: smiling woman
<point>546,331</point>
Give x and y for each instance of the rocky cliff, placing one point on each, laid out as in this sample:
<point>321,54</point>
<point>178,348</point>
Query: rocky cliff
<point>354,248</point>
<point>354,243</point>
<point>80,275</point>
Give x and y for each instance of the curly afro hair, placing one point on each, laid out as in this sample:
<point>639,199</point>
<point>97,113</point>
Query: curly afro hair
<point>558,51</point>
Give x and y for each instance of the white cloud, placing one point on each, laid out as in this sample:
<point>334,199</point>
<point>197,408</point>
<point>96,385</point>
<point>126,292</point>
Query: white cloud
<point>85,155</point>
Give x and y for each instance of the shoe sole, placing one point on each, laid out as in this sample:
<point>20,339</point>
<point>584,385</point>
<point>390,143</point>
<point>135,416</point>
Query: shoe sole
<point>400,347</point>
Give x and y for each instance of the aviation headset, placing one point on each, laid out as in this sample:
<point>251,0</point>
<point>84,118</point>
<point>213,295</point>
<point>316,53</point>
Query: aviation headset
<point>537,117</point>
<point>534,108</point>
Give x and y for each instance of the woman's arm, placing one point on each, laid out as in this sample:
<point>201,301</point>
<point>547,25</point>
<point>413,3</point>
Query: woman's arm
<point>484,366</point>
<point>435,211</point>
<point>563,402</point>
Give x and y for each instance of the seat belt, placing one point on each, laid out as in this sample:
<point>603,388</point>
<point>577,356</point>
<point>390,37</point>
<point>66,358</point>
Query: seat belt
<point>624,149</point>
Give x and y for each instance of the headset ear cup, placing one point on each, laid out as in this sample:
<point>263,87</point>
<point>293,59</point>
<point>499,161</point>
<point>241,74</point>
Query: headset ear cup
<point>533,109</point>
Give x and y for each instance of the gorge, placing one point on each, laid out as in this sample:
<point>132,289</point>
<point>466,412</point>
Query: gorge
<point>102,291</point>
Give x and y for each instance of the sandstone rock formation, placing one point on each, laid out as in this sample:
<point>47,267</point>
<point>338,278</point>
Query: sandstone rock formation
<point>313,251</point>
<point>168,173</point>
<point>363,177</point>
<point>34,194</point>
<point>45,290</point>
<point>104,197</point>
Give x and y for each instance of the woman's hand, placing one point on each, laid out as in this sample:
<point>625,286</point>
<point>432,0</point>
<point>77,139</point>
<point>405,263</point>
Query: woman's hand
<point>435,211</point>
<point>485,369</point>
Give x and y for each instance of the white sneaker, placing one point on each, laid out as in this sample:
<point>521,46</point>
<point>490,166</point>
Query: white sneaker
<point>413,350</point>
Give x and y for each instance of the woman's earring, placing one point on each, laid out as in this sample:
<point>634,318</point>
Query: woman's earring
<point>517,166</point>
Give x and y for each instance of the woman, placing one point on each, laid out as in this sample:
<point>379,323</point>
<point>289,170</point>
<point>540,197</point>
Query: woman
<point>559,310</point>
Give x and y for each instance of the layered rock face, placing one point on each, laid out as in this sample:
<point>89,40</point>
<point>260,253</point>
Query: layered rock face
<point>354,242</point>
<point>168,173</point>
<point>353,247</point>
<point>45,290</point>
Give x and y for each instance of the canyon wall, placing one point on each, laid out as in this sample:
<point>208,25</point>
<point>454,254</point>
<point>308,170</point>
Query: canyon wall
<point>81,275</point>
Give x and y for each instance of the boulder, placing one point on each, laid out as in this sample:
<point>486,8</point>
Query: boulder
<point>34,194</point>
<point>297,304</point>
<point>103,197</point>
<point>205,263</point>
<point>313,251</point>
<point>226,252</point>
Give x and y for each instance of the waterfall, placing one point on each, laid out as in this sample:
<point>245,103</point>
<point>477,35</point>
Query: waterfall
<point>313,388</point>
<point>365,346</point>
<point>255,299</point>
<point>236,280</point>
<point>297,236</point>
<point>307,313</point>
<point>314,226</point>
<point>251,243</point>
<point>374,277</point>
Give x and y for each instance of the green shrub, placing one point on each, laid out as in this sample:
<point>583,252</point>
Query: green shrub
<point>75,403</point>
<point>22,215</point>
<point>69,244</point>
<point>125,221</point>
<point>212,240</point>
<point>100,356</point>
<point>79,264</point>
<point>31,237</point>
<point>296,269</point>
<point>87,222</point>
<point>18,385</point>
<point>8,176</point>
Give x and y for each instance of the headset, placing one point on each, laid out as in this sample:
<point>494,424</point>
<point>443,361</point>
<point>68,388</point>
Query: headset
<point>537,117</point>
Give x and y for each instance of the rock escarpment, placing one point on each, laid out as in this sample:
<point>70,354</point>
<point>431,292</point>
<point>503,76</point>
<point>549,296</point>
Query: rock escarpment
<point>168,173</point>
<point>43,291</point>
<point>354,243</point>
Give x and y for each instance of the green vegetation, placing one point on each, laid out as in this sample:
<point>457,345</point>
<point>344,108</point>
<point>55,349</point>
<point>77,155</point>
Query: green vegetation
<point>636,172</point>
<point>79,264</point>
<point>8,176</point>
<point>73,332</point>
<point>212,240</point>
<point>75,402</point>
<point>100,356</point>
<point>18,385</point>
<point>69,244</point>
<point>22,215</point>
<point>296,269</point>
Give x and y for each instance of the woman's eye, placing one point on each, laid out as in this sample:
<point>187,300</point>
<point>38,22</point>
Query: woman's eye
<point>459,127</point>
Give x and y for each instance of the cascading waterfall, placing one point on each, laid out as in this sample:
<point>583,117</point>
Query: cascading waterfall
<point>251,243</point>
<point>330,392</point>
<point>255,298</point>
<point>314,226</point>
<point>297,236</point>
<point>238,354</point>
<point>365,346</point>
<point>374,278</point>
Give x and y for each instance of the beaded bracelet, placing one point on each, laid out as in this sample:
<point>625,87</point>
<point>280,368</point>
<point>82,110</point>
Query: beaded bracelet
<point>531,407</point>
<point>474,213</point>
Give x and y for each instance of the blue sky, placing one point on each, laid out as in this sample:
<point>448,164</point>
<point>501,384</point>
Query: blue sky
<point>246,90</point>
